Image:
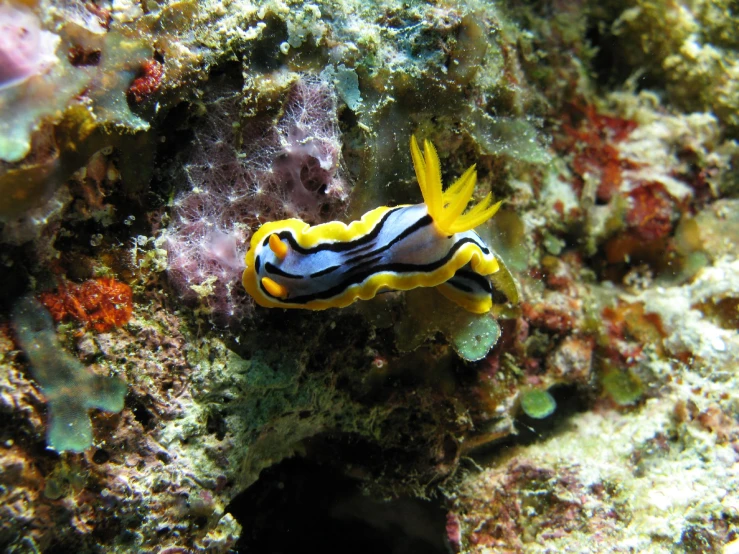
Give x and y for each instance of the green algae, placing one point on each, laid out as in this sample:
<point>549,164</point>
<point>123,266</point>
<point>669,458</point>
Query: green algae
<point>538,404</point>
<point>469,50</point>
<point>504,282</point>
<point>507,236</point>
<point>43,97</point>
<point>622,387</point>
<point>23,188</point>
<point>122,60</point>
<point>346,82</point>
<point>47,97</point>
<point>427,312</point>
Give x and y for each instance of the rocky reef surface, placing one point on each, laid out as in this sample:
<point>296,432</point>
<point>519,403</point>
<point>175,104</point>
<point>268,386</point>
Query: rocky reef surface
<point>146,403</point>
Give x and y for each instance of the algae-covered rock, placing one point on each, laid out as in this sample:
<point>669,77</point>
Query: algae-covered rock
<point>688,47</point>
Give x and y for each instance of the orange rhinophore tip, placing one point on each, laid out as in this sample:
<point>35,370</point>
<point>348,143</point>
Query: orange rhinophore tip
<point>275,289</point>
<point>278,247</point>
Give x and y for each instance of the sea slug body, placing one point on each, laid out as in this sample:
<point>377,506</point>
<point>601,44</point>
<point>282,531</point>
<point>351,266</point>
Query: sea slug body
<point>291,264</point>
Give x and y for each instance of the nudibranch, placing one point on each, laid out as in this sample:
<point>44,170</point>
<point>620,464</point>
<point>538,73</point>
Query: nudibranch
<point>291,264</point>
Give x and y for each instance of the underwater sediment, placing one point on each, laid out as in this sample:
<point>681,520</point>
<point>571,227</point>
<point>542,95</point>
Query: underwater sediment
<point>149,404</point>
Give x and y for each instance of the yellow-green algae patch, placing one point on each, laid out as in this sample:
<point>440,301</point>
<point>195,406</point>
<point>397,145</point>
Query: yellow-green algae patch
<point>623,387</point>
<point>538,404</point>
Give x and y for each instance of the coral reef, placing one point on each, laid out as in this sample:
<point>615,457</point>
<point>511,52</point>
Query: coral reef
<point>593,409</point>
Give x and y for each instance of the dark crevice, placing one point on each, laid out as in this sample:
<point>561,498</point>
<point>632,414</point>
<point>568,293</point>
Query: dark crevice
<point>300,506</point>
<point>266,55</point>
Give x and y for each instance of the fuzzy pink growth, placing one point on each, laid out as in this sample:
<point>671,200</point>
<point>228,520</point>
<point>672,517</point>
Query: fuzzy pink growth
<point>25,49</point>
<point>239,180</point>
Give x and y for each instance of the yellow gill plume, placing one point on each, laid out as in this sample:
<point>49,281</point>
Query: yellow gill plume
<point>446,208</point>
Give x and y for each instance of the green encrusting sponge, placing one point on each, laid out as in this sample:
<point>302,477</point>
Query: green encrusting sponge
<point>70,388</point>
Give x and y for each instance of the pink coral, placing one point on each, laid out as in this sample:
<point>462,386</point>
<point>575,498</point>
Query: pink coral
<point>240,179</point>
<point>25,49</point>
